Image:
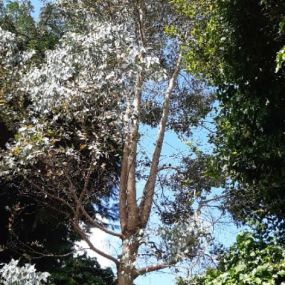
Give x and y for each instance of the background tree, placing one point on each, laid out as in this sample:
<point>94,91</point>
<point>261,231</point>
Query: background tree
<point>81,270</point>
<point>16,17</point>
<point>234,45</point>
<point>30,231</point>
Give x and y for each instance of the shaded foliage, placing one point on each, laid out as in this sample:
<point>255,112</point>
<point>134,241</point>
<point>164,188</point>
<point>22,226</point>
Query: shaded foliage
<point>82,270</point>
<point>234,46</point>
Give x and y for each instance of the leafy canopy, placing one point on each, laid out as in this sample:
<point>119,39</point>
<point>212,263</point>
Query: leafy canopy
<point>234,46</point>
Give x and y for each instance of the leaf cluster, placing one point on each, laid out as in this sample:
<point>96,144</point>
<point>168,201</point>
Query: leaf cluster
<point>249,261</point>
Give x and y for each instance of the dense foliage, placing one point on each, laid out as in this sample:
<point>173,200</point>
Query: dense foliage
<point>24,41</point>
<point>16,17</point>
<point>249,261</point>
<point>81,270</point>
<point>234,44</point>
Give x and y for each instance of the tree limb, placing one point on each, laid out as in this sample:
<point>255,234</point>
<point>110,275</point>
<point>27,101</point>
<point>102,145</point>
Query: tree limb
<point>84,236</point>
<point>156,267</point>
<point>147,198</point>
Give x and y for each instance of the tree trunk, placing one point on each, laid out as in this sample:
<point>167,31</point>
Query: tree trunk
<point>124,279</point>
<point>126,271</point>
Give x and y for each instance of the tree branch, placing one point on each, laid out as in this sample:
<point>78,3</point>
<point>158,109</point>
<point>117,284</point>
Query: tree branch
<point>147,198</point>
<point>59,199</point>
<point>84,236</point>
<point>80,207</point>
<point>132,157</point>
<point>98,226</point>
<point>152,268</point>
<point>123,190</point>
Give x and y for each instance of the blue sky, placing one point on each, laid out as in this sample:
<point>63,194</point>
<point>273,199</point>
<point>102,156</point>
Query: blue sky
<point>224,233</point>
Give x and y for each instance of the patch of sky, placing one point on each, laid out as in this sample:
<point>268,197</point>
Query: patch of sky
<point>37,4</point>
<point>174,148</point>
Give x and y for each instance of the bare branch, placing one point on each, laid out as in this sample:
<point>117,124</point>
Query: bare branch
<point>84,236</point>
<point>131,184</point>
<point>97,225</point>
<point>80,208</point>
<point>147,198</point>
<point>129,212</point>
<point>48,194</point>
<point>87,180</point>
<point>156,267</point>
<point>123,190</point>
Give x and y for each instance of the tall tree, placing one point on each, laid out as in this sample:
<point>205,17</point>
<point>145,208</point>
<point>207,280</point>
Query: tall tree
<point>117,70</point>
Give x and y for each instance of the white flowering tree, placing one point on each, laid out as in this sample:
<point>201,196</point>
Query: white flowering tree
<point>13,274</point>
<point>114,73</point>
<point>13,64</point>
